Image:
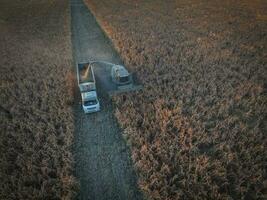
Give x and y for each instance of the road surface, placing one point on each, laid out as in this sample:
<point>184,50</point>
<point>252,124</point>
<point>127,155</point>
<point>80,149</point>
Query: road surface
<point>102,160</point>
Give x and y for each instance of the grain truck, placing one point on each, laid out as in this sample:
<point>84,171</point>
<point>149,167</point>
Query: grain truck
<point>87,87</point>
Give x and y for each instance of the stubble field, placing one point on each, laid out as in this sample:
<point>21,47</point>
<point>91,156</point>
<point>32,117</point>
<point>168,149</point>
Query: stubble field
<point>198,128</point>
<point>36,95</point>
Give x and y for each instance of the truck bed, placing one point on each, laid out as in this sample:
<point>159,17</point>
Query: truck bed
<point>85,73</point>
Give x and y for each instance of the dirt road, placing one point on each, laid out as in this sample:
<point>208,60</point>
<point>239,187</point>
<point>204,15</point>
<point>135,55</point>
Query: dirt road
<point>103,165</point>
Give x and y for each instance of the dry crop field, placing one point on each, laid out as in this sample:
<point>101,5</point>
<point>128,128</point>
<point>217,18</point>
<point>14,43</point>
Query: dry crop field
<point>198,128</point>
<point>36,97</point>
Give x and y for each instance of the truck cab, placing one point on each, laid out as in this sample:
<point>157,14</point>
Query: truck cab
<point>90,102</point>
<point>120,75</point>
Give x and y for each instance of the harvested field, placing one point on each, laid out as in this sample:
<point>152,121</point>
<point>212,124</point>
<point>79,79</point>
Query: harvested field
<point>36,97</point>
<point>198,128</point>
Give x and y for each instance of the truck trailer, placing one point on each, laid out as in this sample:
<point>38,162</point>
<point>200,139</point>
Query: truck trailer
<point>87,87</point>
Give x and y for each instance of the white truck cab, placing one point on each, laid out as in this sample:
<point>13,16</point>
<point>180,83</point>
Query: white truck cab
<point>90,102</point>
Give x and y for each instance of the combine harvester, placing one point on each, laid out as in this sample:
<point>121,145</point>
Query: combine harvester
<point>115,79</point>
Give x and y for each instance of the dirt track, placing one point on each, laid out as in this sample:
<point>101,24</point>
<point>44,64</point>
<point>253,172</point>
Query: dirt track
<point>103,165</point>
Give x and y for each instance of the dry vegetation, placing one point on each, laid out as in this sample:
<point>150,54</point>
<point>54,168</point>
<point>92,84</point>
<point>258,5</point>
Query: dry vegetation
<point>36,96</point>
<point>198,128</point>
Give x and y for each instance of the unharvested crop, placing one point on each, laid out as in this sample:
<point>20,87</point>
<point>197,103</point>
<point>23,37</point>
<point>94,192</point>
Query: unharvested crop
<point>35,100</point>
<point>198,128</point>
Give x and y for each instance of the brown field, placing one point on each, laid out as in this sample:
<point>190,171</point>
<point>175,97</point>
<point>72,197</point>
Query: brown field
<point>36,94</point>
<point>198,128</point>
